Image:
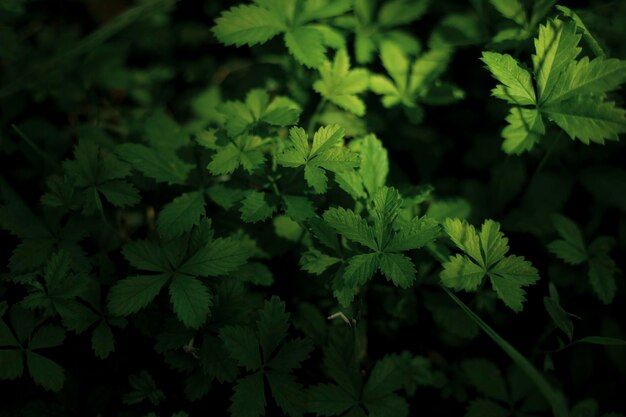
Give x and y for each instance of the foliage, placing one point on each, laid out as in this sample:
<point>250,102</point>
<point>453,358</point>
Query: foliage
<point>305,207</point>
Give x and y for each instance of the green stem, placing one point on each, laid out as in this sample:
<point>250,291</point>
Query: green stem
<point>36,148</point>
<point>554,397</point>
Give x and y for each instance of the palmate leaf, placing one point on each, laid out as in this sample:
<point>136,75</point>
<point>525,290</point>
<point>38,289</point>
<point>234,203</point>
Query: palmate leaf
<point>247,24</point>
<point>341,85</point>
<point>191,300</point>
<point>325,153</point>
<point>486,256</point>
<point>270,358</point>
<point>570,93</point>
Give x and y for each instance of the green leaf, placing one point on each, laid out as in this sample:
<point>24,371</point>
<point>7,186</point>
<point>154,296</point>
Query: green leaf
<point>559,316</point>
<point>291,355</point>
<point>287,393</point>
<point>298,208</point>
<point>247,24</point>
<point>383,380</point>
<point>306,44</point>
<point>254,208</point>
<point>220,257</point>
<point>419,232</point>
<point>585,77</point>
<point>601,340</point>
<point>273,325</point>
<point>47,337</point>
<point>340,85</point>
<point>244,152</point>
<point>464,237</point>
<point>102,340</point>
<point>571,248</point>
<point>329,400</point>
<point>511,9</point>
<point>181,215</point>
<point>398,269</point>
<point>360,269</point>
<point>191,300</point>
<point>45,373</point>
<point>602,269</point>
<point>130,295</point>
<point>164,133</point>
<point>486,378</point>
<point>242,345</point>
<point>556,46</point>
<point>588,119</point>
<point>351,225</point>
<point>485,407</point>
<point>119,193</point>
<point>460,273</point>
<point>11,363</point>
<point>248,399</point>
<point>374,165</point>
<point>509,276</point>
<point>160,166</point>
<point>145,255</point>
<point>316,262</point>
<point>525,128</point>
<point>517,87</point>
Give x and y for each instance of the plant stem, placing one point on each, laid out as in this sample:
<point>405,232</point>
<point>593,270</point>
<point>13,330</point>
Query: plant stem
<point>554,397</point>
<point>36,148</point>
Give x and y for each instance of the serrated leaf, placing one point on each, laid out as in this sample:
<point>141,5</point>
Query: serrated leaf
<point>360,269</point>
<point>571,249</point>
<point>254,207</point>
<point>145,255</point>
<point>556,46</point>
<point>247,24</point>
<point>486,378</point>
<point>509,276</point>
<point>242,345</point>
<point>416,234</point>
<point>351,225</point>
<point>306,44</point>
<point>398,269</point>
<point>220,257</point>
<point>340,85</point>
<point>248,399</point>
<point>588,119</point>
<point>329,400</point>
<point>287,393</point>
<point>162,167</point>
<point>102,340</point>
<point>181,215</point>
<point>517,87</point>
<point>45,372</point>
<point>525,128</point>
<point>191,300</point>
<point>273,325</point>
<point>130,295</point>
<point>374,165</point>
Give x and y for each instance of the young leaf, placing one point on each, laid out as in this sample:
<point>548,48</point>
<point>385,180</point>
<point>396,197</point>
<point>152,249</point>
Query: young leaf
<point>508,274</point>
<point>340,85</point>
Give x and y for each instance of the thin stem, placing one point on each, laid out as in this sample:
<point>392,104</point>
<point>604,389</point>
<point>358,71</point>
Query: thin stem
<point>552,395</point>
<point>545,158</point>
<point>36,148</point>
